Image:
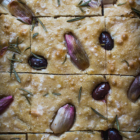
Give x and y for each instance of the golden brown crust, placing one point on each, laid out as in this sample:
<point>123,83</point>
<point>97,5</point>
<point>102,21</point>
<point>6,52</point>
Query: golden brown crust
<point>54,49</point>
<point>68,87</point>
<point>119,104</point>
<point>124,57</point>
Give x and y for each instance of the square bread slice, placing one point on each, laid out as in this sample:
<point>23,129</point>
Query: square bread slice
<point>66,8</point>
<point>119,104</point>
<point>124,58</point>
<point>122,8</point>
<point>78,135</point>
<point>11,32</point>
<point>46,101</point>
<point>17,116</point>
<point>12,137</point>
<point>51,44</point>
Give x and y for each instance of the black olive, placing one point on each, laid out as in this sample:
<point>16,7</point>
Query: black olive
<point>37,63</point>
<point>101,91</point>
<point>111,134</point>
<point>106,41</point>
<point>134,90</point>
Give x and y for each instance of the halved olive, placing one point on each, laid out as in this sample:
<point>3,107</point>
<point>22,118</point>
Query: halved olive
<point>38,63</point>
<point>134,90</point>
<point>106,40</point>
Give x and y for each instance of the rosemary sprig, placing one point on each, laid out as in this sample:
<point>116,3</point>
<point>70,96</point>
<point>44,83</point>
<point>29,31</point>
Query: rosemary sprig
<point>99,114</point>
<point>137,130</point>
<point>36,56</point>
<point>13,49</point>
<point>126,62</point>
<point>79,96</point>
<point>16,75</point>
<point>121,4</point>
<point>75,19</point>
<point>85,4</point>
<point>35,34</point>
<point>64,59</point>
<point>58,1</point>
<point>26,49</point>
<point>15,60</point>
<point>42,24</point>
<point>12,64</point>
<point>117,122</point>
<point>26,91</point>
<point>57,94</point>
<point>45,94</point>
<point>22,21</point>
<point>136,11</point>
<point>27,98</point>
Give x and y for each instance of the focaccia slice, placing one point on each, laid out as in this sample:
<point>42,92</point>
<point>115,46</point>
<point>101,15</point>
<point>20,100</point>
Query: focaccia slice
<point>51,44</point>
<point>12,30</point>
<point>52,92</point>
<point>122,8</point>
<point>17,116</point>
<point>12,137</point>
<point>119,104</point>
<point>67,136</point>
<point>66,8</point>
<point>124,57</point>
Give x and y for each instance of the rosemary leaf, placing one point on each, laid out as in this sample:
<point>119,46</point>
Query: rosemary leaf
<point>126,62</point>
<point>22,21</point>
<point>85,4</point>
<point>136,11</point>
<point>35,34</point>
<point>98,114</point>
<point>12,65</point>
<point>45,94</point>
<point>25,95</point>
<point>75,19</point>
<point>15,60</point>
<point>81,9</point>
<point>16,75</point>
<point>36,56</point>
<point>33,25</point>
<point>64,59</point>
<point>26,91</point>
<point>17,44</point>
<point>58,1</point>
<point>26,49</point>
<point>137,130</point>
<point>121,4</point>
<point>79,96</point>
<point>117,122</point>
<point>57,94</point>
<point>80,2</point>
<point>42,24</point>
